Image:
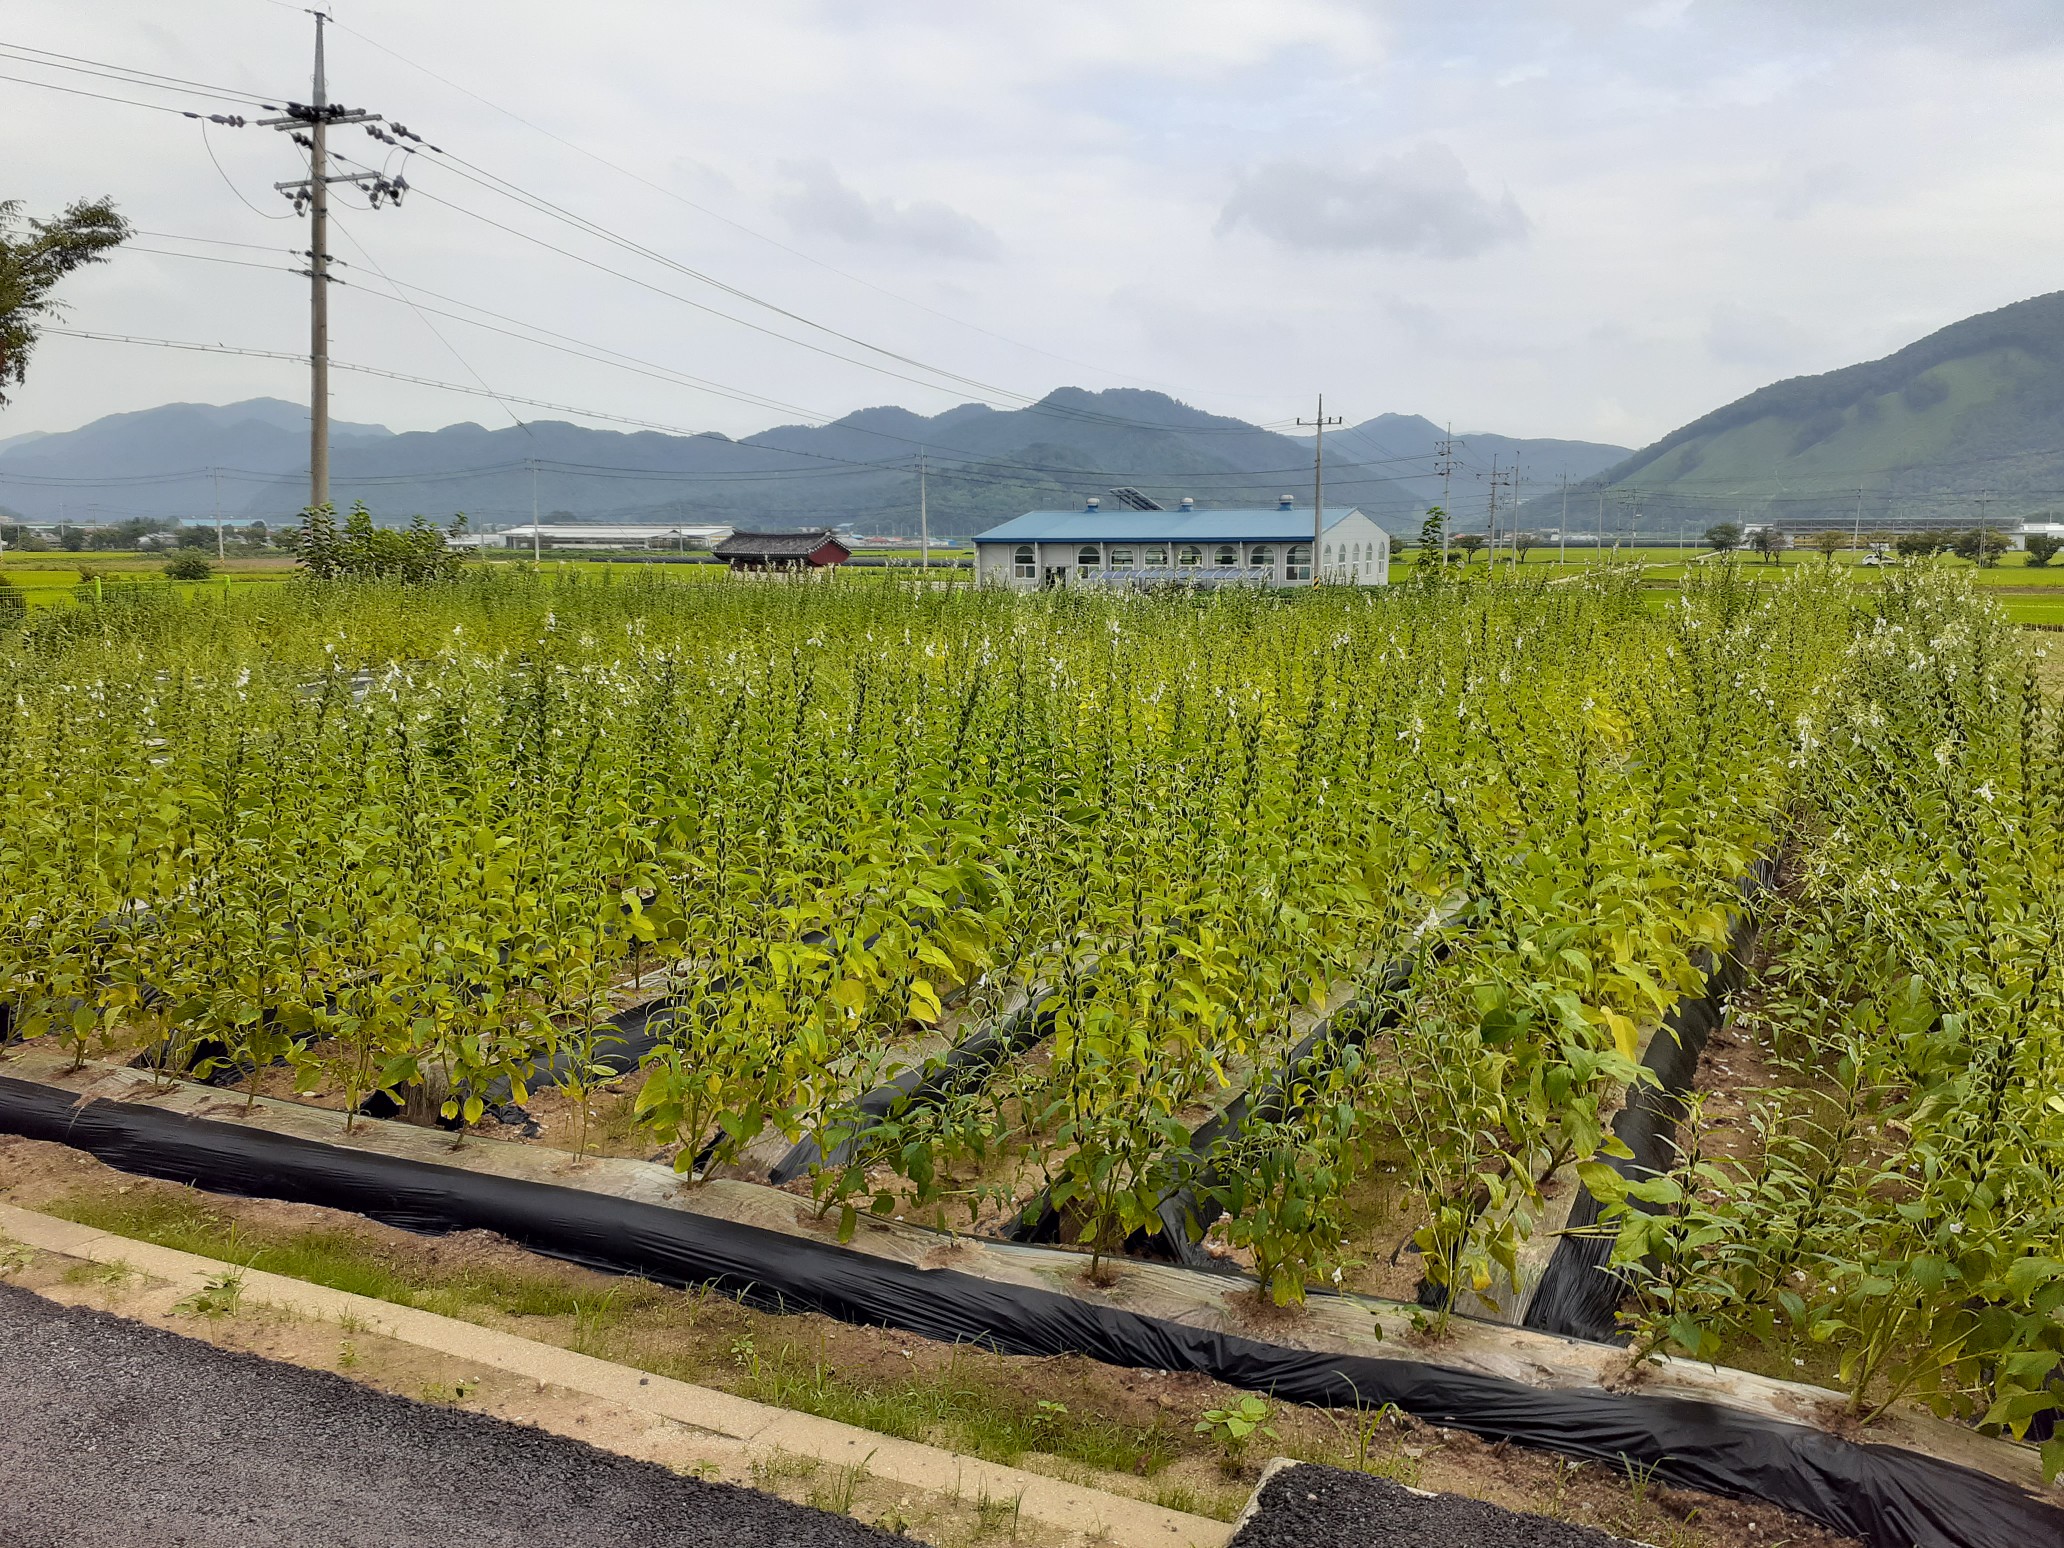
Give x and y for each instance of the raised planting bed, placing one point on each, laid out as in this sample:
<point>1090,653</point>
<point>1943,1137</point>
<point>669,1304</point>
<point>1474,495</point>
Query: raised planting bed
<point>395,850</point>
<point>1718,1431</point>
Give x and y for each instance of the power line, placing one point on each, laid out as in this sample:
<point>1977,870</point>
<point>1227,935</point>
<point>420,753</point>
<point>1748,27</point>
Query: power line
<point>734,224</point>
<point>427,323</point>
<point>570,345</point>
<point>363,370</point>
<point>209,145</point>
<point>448,475</point>
<point>98,96</point>
<point>241,263</point>
<point>317,121</point>
<point>496,184</point>
<point>258,247</point>
<point>150,80</point>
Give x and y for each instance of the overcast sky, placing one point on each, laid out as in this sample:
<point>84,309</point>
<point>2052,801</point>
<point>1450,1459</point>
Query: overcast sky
<point>1589,218</point>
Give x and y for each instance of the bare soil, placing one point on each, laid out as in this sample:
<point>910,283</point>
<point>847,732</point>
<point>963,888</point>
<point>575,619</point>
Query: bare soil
<point>1123,1430</point>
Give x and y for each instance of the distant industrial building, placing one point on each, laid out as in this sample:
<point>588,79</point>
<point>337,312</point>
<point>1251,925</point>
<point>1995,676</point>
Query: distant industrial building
<point>1271,546</point>
<point>585,534</point>
<point>817,549</point>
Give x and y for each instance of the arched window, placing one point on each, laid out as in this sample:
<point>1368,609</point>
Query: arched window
<point>1089,557</point>
<point>1264,557</point>
<point>1357,553</point>
<point>1121,558</point>
<point>1156,559</point>
<point>1189,556</point>
<point>1023,565</point>
<point>1298,562</point>
<point>1227,556</point>
<point>1329,553</point>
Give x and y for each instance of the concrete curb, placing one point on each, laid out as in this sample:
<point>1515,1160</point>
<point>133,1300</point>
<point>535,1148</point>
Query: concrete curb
<point>758,1427</point>
<point>1253,1507</point>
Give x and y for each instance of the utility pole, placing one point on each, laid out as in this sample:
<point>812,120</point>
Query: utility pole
<point>537,542</point>
<point>1491,521</point>
<point>217,472</point>
<point>1514,535</point>
<point>924,526</point>
<point>308,123</point>
<point>1562,532</point>
<point>1857,542</point>
<point>1509,477</point>
<point>1318,480</point>
<point>1445,450</point>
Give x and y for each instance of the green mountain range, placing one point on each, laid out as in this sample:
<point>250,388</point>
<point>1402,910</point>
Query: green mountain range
<point>1964,425</point>
<point>981,466</point>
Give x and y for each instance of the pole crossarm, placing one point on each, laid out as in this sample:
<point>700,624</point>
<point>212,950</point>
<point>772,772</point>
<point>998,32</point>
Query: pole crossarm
<point>298,114</point>
<point>334,177</point>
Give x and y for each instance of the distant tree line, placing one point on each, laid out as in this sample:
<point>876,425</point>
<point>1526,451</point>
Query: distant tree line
<point>144,532</point>
<point>1980,545</point>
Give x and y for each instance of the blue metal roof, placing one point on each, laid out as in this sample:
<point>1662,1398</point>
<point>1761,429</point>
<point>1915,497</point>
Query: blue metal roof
<point>1267,525</point>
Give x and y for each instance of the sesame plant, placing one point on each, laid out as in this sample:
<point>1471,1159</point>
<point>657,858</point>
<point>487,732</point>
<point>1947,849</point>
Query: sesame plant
<point>423,836</point>
<point>1902,1203</point>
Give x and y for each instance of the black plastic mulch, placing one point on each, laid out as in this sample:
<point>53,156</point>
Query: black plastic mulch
<point>1888,1496</point>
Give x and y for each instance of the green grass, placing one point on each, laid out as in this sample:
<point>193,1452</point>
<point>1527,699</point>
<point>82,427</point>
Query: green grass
<point>1670,564</point>
<point>957,1409</point>
<point>2032,610</point>
<point>337,1259</point>
<point>954,1405</point>
<point>47,579</point>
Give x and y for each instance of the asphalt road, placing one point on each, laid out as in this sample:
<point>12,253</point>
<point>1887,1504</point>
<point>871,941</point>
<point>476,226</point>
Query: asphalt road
<point>113,1432</point>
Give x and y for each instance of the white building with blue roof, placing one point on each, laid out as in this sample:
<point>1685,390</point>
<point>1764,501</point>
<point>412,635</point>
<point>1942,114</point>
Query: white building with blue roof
<point>1270,546</point>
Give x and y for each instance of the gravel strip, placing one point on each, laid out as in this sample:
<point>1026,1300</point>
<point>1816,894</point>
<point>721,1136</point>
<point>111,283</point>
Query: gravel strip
<point>117,1433</point>
<point>1311,1506</point>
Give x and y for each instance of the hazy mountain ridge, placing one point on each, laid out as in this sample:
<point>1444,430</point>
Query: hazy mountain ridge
<point>984,465</point>
<point>1477,453</point>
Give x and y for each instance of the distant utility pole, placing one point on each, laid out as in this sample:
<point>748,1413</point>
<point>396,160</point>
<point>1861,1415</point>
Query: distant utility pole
<point>1562,532</point>
<point>1857,542</point>
<point>924,526</point>
<point>1318,480</point>
<point>309,123</point>
<point>1444,448</point>
<point>217,472</point>
<point>1517,479</point>
<point>1508,478</point>
<point>1491,520</point>
<point>537,543</point>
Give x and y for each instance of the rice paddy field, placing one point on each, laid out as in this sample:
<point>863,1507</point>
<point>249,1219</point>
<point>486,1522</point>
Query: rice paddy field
<point>1429,864</point>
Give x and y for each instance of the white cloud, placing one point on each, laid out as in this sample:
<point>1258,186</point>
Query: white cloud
<point>1820,167</point>
<point>822,202</point>
<point>1417,200</point>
